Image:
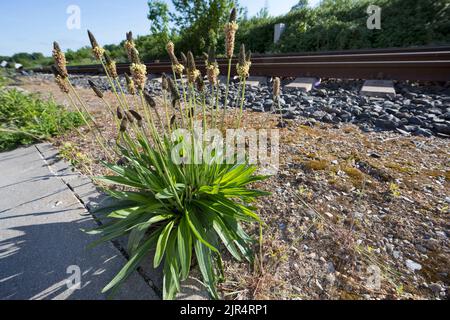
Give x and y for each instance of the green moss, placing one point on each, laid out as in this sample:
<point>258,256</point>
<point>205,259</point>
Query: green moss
<point>316,165</point>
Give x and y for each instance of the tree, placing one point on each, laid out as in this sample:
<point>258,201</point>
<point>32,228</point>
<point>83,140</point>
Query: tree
<point>158,16</point>
<point>302,4</point>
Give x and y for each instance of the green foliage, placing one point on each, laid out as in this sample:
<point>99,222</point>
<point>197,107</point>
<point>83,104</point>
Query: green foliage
<point>158,16</point>
<point>199,207</point>
<point>341,25</point>
<point>25,119</point>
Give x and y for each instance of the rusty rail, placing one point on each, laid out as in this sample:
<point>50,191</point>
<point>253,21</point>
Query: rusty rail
<point>427,64</point>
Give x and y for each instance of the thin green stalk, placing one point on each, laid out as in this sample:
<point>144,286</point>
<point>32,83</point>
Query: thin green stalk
<point>226,94</point>
<point>242,103</point>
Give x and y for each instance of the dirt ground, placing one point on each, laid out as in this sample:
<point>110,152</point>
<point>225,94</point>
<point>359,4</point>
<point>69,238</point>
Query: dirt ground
<point>352,215</point>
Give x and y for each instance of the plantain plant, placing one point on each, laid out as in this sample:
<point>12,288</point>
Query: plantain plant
<point>184,212</point>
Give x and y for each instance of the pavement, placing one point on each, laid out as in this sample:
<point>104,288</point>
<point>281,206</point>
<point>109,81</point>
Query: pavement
<point>43,254</point>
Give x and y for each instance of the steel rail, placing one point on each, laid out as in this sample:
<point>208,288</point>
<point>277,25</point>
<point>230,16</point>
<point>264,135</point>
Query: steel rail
<point>427,64</point>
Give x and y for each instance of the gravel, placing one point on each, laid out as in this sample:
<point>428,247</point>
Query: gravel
<point>415,110</point>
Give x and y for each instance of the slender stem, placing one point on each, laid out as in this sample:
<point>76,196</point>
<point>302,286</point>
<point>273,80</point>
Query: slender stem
<point>242,102</point>
<point>226,94</point>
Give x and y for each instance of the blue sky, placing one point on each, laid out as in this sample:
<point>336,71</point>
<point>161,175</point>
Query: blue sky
<point>32,25</point>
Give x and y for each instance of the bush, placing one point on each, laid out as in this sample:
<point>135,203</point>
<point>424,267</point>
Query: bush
<point>25,119</point>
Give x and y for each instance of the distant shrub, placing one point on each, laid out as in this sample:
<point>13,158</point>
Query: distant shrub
<point>25,119</point>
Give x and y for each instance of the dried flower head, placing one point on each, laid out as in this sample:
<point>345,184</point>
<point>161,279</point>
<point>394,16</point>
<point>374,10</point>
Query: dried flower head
<point>60,59</point>
<point>233,15</point>
<point>243,66</point>
<point>276,87</point>
<point>137,116</point>
<point>230,36</point>
<point>173,90</point>
<point>184,61</point>
<point>172,120</point>
<point>130,85</point>
<point>205,57</point>
<point>177,67</point>
<point>95,89</point>
<point>124,124</point>
<point>192,72</point>
<point>230,33</point>
<point>96,49</point>
<point>170,47</point>
<point>212,72</point>
<point>249,56</point>
<point>200,84</point>
<point>129,117</point>
<point>58,72</point>
<point>150,101</point>
<point>139,73</point>
<point>111,66</point>
<point>62,84</point>
<point>129,45</point>
<point>134,56</point>
<point>164,83</point>
<point>119,113</point>
<point>212,67</point>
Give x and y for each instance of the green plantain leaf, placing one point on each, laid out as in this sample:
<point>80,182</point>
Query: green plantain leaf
<point>184,241</point>
<point>161,245</point>
<point>203,255</point>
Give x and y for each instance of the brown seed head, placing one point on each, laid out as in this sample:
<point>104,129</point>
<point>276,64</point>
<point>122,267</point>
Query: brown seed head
<point>192,72</point>
<point>62,84</point>
<point>139,73</point>
<point>111,66</point>
<point>119,113</point>
<point>200,84</point>
<point>150,101</point>
<point>172,120</point>
<point>58,72</point>
<point>137,116</point>
<point>164,83</point>
<point>130,85</point>
<point>230,36</point>
<point>171,52</point>
<point>134,56</point>
<point>60,58</point>
<point>96,49</point>
<point>184,61</point>
<point>243,66</point>
<point>123,125</point>
<point>129,117</point>
<point>95,89</point>
<point>129,45</point>
<point>242,56</point>
<point>205,57</point>
<point>276,87</point>
<point>173,89</point>
<point>233,15</point>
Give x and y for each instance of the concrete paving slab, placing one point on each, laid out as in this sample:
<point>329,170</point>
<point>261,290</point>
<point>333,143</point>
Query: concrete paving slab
<point>41,245</point>
<point>305,84</point>
<point>256,81</point>
<point>92,198</point>
<point>378,88</point>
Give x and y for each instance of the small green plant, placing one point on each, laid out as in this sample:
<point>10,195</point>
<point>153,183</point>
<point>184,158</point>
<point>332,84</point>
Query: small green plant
<point>395,190</point>
<point>182,211</point>
<point>25,119</point>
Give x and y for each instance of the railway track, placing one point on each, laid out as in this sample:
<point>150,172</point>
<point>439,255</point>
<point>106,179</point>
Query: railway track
<point>425,64</point>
